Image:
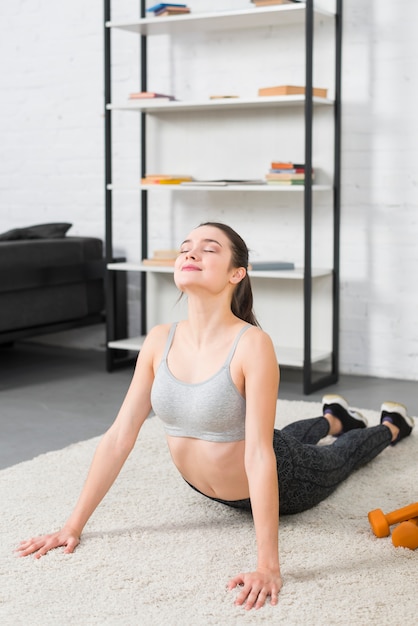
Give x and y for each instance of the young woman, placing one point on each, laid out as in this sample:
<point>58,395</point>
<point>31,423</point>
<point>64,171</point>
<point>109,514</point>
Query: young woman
<point>213,380</point>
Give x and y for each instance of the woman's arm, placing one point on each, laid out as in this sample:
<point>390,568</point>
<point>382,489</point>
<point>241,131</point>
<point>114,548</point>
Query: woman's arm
<point>261,387</point>
<point>110,455</point>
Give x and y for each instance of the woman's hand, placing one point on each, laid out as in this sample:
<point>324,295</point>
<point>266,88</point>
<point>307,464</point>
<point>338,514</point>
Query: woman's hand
<point>39,546</point>
<point>256,587</point>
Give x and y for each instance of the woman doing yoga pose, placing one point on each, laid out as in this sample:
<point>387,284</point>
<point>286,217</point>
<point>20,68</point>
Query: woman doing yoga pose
<point>213,380</point>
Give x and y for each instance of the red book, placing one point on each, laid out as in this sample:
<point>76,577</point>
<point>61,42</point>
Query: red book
<point>282,165</point>
<point>148,95</point>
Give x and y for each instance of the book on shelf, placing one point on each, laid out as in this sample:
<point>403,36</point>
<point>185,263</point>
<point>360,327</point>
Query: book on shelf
<point>286,176</point>
<point>287,165</point>
<point>167,8</point>
<point>286,182</point>
<point>164,5</point>
<point>165,179</point>
<point>224,182</point>
<point>170,253</point>
<point>159,262</point>
<point>222,97</point>
<point>291,90</point>
<point>171,11</point>
<point>149,95</point>
<point>287,173</point>
<point>270,265</point>
<point>162,258</point>
<point>266,3</point>
<point>281,178</point>
<point>287,170</point>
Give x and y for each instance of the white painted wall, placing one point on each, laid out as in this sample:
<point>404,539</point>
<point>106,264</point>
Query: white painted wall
<point>52,161</point>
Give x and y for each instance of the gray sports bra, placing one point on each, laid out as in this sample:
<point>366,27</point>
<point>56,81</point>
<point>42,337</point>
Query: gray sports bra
<point>213,410</point>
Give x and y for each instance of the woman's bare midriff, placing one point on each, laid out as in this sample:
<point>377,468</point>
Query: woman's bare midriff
<point>215,469</point>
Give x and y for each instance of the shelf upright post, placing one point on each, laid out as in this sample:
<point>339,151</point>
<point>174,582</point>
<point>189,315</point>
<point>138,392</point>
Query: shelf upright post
<point>309,385</point>
<point>115,284</point>
<point>110,282</point>
<point>144,193</point>
<point>337,188</point>
<point>307,284</point>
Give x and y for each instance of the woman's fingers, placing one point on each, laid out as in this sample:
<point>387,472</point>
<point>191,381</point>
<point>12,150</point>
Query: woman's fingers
<point>39,546</point>
<point>255,589</point>
<point>72,543</point>
<point>30,546</point>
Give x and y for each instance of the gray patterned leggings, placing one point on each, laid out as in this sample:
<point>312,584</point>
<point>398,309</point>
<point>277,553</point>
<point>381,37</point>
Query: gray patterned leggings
<point>309,473</point>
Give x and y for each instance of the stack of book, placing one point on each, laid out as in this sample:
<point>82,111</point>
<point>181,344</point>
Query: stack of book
<point>291,90</point>
<point>266,3</point>
<point>165,179</point>
<point>149,95</point>
<point>162,258</point>
<point>286,173</point>
<point>164,8</point>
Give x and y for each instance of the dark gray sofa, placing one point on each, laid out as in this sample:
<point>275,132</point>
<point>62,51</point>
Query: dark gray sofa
<point>49,284</point>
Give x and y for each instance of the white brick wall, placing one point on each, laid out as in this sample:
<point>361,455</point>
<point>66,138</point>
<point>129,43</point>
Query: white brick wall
<point>51,114</point>
<point>51,149</point>
<point>379,254</point>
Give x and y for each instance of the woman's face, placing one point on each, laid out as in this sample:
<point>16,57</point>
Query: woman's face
<point>205,260</point>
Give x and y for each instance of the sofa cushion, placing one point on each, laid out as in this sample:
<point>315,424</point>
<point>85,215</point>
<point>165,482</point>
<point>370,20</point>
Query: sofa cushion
<point>47,305</point>
<point>42,262</point>
<point>39,231</point>
<point>46,262</point>
<point>49,281</point>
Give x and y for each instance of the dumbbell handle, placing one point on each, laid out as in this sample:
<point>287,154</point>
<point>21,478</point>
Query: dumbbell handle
<point>381,523</point>
<point>400,515</point>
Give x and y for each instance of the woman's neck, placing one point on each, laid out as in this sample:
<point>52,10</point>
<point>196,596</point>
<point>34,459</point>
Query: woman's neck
<point>208,316</point>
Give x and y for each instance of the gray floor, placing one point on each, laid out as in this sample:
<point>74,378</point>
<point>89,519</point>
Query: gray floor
<point>51,396</point>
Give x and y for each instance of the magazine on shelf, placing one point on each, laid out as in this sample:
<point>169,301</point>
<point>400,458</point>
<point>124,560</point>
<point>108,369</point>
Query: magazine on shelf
<point>223,182</point>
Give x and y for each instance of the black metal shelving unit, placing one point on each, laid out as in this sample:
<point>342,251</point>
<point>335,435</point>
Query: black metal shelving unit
<point>116,285</point>
<point>309,384</point>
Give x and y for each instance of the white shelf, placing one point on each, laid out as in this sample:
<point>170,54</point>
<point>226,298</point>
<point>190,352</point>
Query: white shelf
<point>224,20</point>
<point>296,274</point>
<point>177,106</point>
<point>263,188</point>
<point>292,357</point>
<point>139,267</point>
<point>133,343</point>
<point>187,188</point>
<point>286,321</point>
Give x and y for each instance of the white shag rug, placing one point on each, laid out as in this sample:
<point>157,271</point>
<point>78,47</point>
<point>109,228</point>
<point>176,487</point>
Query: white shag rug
<point>157,553</point>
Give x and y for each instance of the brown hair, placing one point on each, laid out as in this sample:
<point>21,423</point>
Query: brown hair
<point>242,298</point>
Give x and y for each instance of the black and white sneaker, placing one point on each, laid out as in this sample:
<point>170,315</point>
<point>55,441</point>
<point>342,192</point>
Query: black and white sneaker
<point>396,413</point>
<point>338,406</point>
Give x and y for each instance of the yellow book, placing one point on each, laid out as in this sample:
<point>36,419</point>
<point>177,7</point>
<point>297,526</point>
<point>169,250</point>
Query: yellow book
<point>165,179</point>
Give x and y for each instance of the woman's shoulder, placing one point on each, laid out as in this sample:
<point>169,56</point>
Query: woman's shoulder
<point>158,333</point>
<point>256,339</point>
<point>154,344</point>
<point>257,333</point>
